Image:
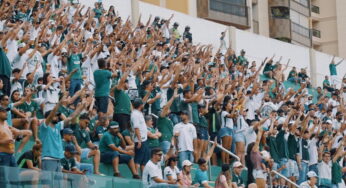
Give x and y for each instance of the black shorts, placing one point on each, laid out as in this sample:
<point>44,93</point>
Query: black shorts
<point>123,120</point>
<point>102,104</point>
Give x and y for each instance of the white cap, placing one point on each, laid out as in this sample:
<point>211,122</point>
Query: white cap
<point>63,50</point>
<point>265,154</point>
<point>187,163</point>
<point>237,164</point>
<point>311,174</point>
<point>21,45</point>
<point>329,121</point>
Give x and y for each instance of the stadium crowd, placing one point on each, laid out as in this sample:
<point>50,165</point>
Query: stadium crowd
<point>86,84</point>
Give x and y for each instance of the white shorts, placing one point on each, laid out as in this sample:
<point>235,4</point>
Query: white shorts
<point>259,174</point>
<point>334,80</point>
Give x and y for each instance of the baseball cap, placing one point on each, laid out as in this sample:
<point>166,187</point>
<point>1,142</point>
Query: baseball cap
<point>113,124</point>
<point>237,164</point>
<point>67,131</point>
<point>311,174</point>
<point>187,163</point>
<point>21,45</point>
<point>70,148</point>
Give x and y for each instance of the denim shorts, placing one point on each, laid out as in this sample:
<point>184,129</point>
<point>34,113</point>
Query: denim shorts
<point>284,171</point>
<point>202,133</point>
<point>102,104</point>
<point>225,131</point>
<point>239,137</point>
<point>85,153</point>
<point>109,156</point>
<point>292,168</point>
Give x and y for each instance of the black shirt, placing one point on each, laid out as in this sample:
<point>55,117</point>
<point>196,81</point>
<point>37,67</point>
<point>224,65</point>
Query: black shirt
<point>27,156</point>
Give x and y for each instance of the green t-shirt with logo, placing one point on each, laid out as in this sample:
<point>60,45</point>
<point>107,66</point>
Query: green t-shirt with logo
<point>74,62</point>
<point>29,107</point>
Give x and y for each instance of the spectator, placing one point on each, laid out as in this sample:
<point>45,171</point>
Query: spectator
<point>102,80</point>
<point>111,145</point>
<point>153,134</point>
<point>224,180</point>
<point>142,152</point>
<point>52,149</point>
<point>333,72</point>
<point>152,173</point>
<point>186,137</point>
<point>311,182</point>
<point>31,160</point>
<point>201,176</point>
<point>171,171</point>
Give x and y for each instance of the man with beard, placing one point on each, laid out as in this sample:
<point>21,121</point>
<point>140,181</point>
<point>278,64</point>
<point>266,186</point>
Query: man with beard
<point>52,150</point>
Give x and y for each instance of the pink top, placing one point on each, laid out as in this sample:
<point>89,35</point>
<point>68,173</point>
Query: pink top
<point>185,179</point>
<point>219,183</point>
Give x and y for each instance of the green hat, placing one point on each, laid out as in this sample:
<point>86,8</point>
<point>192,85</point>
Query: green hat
<point>113,125</point>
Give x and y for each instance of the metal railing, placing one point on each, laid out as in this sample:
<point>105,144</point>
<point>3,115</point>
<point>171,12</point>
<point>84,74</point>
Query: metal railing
<point>229,8</point>
<point>315,9</point>
<point>225,150</point>
<point>301,30</point>
<point>316,33</point>
<point>283,177</point>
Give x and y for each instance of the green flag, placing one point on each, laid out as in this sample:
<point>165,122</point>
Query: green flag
<point>5,67</point>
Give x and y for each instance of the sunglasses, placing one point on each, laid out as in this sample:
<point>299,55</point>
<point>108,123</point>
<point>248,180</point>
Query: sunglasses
<point>159,154</point>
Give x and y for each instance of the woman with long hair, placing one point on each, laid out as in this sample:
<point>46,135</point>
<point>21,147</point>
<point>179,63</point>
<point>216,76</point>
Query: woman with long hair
<point>258,167</point>
<point>224,180</point>
<point>226,131</point>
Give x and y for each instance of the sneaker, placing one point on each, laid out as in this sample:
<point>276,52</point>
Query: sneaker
<point>136,176</point>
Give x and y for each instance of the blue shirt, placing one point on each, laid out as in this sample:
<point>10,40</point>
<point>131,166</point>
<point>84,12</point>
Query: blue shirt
<point>201,177</point>
<point>51,140</point>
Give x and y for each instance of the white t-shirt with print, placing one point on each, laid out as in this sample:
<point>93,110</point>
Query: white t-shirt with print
<point>187,133</point>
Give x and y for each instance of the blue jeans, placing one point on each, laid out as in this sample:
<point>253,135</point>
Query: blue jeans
<point>75,85</point>
<point>165,146</point>
<point>85,166</point>
<point>303,172</point>
<point>185,155</point>
<point>6,172</point>
<point>282,162</point>
<point>313,168</point>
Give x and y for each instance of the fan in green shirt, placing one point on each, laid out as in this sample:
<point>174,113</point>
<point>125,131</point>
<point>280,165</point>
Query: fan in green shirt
<point>153,134</point>
<point>332,66</point>
<point>74,63</point>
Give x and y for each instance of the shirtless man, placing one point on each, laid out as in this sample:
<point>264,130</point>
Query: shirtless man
<point>7,139</point>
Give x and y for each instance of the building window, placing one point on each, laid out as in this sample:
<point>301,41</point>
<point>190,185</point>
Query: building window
<point>280,12</point>
<point>234,7</point>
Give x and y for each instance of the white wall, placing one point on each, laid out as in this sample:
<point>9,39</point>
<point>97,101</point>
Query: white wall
<point>203,31</point>
<point>258,47</point>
